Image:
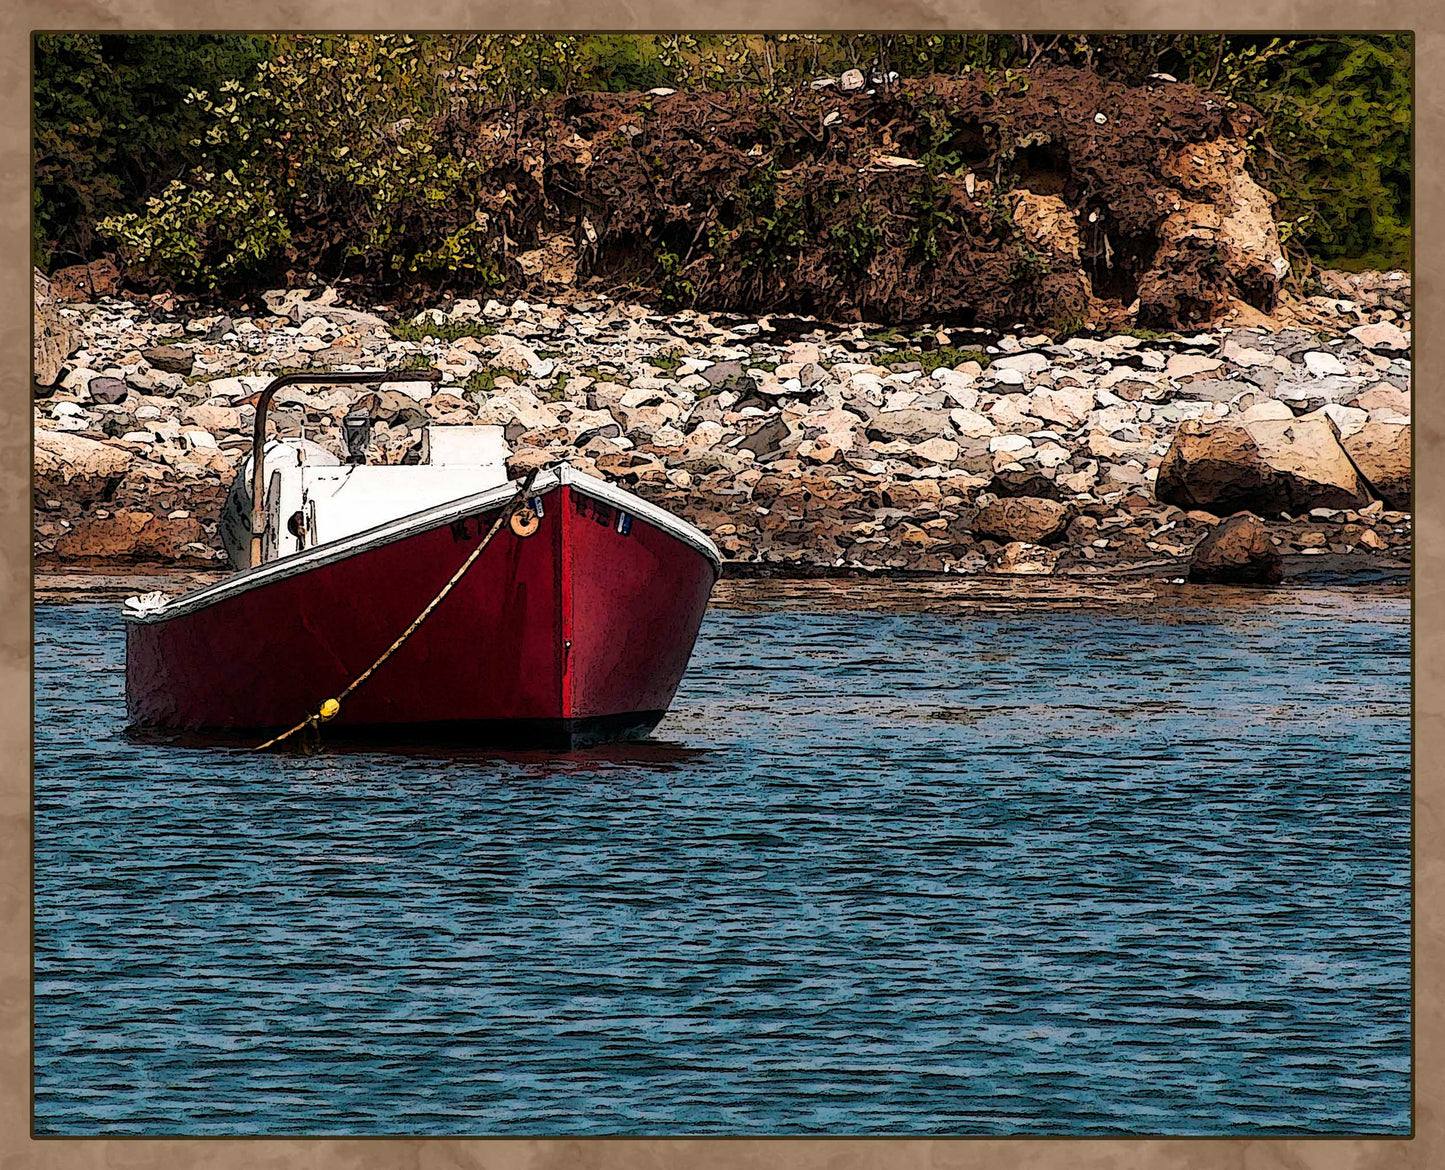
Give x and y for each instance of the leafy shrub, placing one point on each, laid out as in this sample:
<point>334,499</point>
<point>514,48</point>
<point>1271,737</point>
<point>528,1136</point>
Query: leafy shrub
<point>184,146</point>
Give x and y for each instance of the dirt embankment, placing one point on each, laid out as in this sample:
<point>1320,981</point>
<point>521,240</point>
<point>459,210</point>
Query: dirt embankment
<point>1054,199</point>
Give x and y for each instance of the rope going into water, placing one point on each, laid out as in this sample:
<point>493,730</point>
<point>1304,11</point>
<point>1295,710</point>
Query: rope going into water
<point>329,708</point>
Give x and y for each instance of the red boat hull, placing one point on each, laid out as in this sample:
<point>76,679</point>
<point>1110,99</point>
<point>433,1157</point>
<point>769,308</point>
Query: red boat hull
<point>577,633</point>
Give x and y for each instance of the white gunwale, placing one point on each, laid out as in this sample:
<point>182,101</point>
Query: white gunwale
<point>405,526</point>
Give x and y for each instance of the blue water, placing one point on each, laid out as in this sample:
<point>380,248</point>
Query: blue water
<point>884,873</point>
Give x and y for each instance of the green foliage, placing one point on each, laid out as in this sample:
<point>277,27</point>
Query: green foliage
<point>112,127</point>
<point>220,159</point>
<point>485,379</point>
<point>676,291</point>
<point>856,241</point>
<point>1339,129</point>
<point>945,356</point>
<point>445,331</point>
<point>770,228</point>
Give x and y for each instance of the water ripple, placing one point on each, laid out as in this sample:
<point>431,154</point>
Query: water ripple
<point>894,873</point>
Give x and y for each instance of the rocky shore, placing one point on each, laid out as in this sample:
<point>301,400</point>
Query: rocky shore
<point>800,448</point>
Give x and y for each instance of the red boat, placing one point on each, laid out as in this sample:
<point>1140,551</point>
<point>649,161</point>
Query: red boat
<point>572,624</point>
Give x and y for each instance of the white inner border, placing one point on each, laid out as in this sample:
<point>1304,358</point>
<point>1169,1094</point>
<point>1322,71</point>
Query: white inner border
<point>392,530</point>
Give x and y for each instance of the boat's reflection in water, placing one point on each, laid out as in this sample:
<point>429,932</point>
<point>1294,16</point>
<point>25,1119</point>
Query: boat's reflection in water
<point>652,753</point>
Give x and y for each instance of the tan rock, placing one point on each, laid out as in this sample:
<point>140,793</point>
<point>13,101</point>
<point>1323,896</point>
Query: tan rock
<point>131,536</point>
<point>1022,558</point>
<point>936,451</point>
<point>85,282</point>
<point>1381,451</point>
<point>1186,365</point>
<point>76,469</point>
<point>1068,407</point>
<point>1383,396</point>
<point>52,335</point>
<point>1306,456</point>
<point>1236,551</point>
<point>1271,465</point>
<point>1022,518</point>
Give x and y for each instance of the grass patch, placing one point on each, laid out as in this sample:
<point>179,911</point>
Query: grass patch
<point>929,360</point>
<point>486,379</point>
<point>448,331</point>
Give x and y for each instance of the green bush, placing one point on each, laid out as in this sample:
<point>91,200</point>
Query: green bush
<point>207,159</point>
<point>112,127</point>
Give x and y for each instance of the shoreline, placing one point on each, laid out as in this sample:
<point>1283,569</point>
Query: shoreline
<point>1125,587</point>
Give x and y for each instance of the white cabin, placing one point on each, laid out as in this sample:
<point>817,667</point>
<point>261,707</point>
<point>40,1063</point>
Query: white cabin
<point>313,498</point>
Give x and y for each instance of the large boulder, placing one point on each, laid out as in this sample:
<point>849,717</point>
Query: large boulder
<point>52,335</point>
<point>131,536</point>
<point>1381,452</point>
<point>75,469</point>
<point>1238,551</point>
<point>85,282</point>
<point>1022,518</point>
<point>1268,465</point>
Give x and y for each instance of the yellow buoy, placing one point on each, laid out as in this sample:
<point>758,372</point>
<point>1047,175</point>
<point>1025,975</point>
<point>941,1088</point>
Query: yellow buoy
<point>328,710</point>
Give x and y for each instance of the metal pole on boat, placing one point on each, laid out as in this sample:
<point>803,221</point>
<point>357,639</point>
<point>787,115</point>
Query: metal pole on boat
<point>258,435</point>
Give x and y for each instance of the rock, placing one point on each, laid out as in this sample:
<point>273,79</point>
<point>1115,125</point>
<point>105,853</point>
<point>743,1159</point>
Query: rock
<point>910,425</point>
<point>851,81</point>
<point>971,425</point>
<point>1322,364</point>
<point>1268,409</point>
<point>1381,451</point>
<point>1022,558</point>
<point>1313,394</point>
<point>351,318</point>
<point>132,536</point>
<point>1022,518</point>
<point>1271,465</point>
<point>1382,337</point>
<point>216,419</point>
<point>1068,407</point>
<point>1238,551</point>
<point>173,359</point>
<point>52,335</point>
<point>811,374</point>
<point>85,282</point>
<point>1023,483</point>
<point>282,300</point>
<point>936,450</point>
<point>108,391</point>
<point>1311,468</point>
<point>1347,420</point>
<point>526,459</point>
<point>69,467</point>
<point>1233,219</point>
<point>1186,365</point>
<point>1383,397</point>
<point>727,376</point>
<point>1024,363</point>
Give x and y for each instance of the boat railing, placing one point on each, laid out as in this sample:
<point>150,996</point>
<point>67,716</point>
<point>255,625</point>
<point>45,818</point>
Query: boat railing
<point>263,405</point>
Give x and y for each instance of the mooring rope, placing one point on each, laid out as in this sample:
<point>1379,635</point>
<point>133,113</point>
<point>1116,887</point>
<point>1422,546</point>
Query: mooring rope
<point>329,709</point>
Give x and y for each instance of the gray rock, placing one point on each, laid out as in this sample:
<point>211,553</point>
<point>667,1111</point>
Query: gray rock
<point>765,439</point>
<point>727,376</point>
<point>910,425</point>
<point>109,391</point>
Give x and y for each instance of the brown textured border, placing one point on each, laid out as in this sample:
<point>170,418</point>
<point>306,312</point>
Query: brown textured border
<point>1426,1149</point>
